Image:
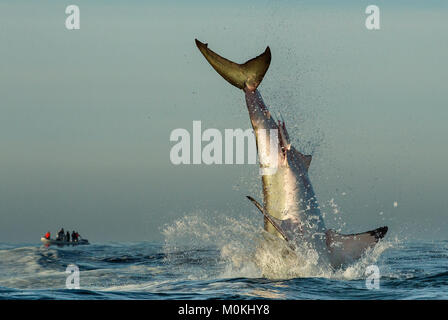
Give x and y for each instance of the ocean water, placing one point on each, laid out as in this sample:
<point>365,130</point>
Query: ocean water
<point>227,259</point>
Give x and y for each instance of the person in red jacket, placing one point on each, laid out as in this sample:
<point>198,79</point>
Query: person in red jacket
<point>47,235</point>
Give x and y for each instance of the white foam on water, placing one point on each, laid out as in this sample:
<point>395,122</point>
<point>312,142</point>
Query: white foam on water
<point>246,250</point>
<point>21,269</point>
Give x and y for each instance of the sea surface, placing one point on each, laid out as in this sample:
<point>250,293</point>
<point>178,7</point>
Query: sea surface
<point>221,262</point>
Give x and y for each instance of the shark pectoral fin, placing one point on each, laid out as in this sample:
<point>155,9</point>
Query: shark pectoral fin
<point>274,221</point>
<point>306,159</point>
<point>345,249</point>
<point>248,75</point>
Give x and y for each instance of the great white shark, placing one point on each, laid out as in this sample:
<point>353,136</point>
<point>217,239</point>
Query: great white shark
<point>290,209</point>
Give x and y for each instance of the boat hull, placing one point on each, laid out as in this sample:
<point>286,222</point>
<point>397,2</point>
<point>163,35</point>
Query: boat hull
<point>63,243</point>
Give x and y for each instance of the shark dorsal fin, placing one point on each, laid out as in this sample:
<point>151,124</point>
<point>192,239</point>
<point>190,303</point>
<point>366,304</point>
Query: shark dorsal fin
<point>346,248</point>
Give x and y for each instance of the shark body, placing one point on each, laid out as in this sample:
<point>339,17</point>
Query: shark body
<point>290,209</point>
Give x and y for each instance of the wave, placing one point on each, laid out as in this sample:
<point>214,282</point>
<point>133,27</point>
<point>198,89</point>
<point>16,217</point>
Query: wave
<point>210,257</point>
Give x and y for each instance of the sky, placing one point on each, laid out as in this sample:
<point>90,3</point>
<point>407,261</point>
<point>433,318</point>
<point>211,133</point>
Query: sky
<point>86,115</point>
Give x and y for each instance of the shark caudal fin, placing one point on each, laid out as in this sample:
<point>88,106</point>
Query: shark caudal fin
<point>345,249</point>
<point>247,75</point>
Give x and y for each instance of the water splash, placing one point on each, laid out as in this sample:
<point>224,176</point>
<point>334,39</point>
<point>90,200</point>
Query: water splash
<point>246,250</point>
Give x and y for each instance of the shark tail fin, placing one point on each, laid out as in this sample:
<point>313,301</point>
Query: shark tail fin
<point>247,75</point>
<point>345,249</point>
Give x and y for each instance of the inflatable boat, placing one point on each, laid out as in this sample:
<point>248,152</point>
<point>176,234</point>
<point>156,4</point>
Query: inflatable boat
<point>63,243</point>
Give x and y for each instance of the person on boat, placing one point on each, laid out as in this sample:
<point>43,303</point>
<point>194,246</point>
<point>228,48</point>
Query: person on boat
<point>74,239</point>
<point>61,235</point>
<point>67,236</point>
<point>47,235</point>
